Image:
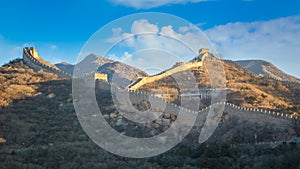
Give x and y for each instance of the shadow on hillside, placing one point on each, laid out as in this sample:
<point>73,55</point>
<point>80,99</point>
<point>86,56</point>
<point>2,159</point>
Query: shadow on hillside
<point>43,132</point>
<point>29,120</point>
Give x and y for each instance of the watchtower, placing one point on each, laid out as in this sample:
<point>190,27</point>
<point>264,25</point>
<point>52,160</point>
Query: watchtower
<point>202,51</point>
<point>33,52</point>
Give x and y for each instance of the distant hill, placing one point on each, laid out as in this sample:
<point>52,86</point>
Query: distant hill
<point>66,67</point>
<point>265,68</point>
<point>244,88</point>
<point>92,61</point>
<point>122,74</point>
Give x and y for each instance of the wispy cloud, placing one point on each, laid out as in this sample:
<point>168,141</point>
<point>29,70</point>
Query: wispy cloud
<point>53,47</point>
<point>146,4</point>
<point>145,35</point>
<point>117,35</point>
<point>274,40</point>
<point>150,45</point>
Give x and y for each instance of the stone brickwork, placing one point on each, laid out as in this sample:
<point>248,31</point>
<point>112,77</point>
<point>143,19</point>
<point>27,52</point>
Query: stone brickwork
<point>181,67</point>
<point>168,112</point>
<point>100,76</point>
<point>204,50</point>
<point>228,106</point>
<point>33,60</point>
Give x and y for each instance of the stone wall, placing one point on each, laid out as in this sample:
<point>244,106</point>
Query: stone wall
<point>204,50</point>
<point>100,76</point>
<point>228,107</point>
<point>266,120</point>
<point>237,119</point>
<point>182,67</point>
<point>35,63</point>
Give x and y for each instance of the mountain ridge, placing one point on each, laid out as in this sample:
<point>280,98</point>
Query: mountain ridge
<point>115,70</point>
<point>266,68</point>
<point>42,118</point>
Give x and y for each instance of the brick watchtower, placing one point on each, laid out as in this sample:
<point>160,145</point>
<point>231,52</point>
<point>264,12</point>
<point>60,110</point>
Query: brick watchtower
<point>201,53</point>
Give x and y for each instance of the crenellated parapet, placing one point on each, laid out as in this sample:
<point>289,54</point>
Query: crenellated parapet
<point>101,76</point>
<point>168,112</point>
<point>197,62</point>
<point>33,60</point>
<point>230,107</point>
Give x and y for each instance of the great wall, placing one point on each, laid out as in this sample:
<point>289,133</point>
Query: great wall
<point>33,60</point>
<point>198,62</point>
<point>228,106</point>
<point>169,112</point>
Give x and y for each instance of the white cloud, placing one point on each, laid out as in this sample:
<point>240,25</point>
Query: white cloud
<point>152,45</point>
<point>53,47</point>
<point>145,35</point>
<point>144,60</point>
<point>146,4</point>
<point>184,29</point>
<point>169,31</point>
<point>143,26</point>
<point>117,32</point>
<point>125,57</point>
<point>274,40</point>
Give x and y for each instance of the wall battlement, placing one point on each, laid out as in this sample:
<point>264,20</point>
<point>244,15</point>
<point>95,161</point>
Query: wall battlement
<point>30,57</point>
<point>34,53</point>
<point>227,106</point>
<point>33,60</point>
<point>101,76</point>
<point>204,50</point>
<point>197,62</point>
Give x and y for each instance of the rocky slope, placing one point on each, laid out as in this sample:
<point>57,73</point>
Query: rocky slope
<point>243,88</point>
<point>120,73</point>
<point>265,68</point>
<point>18,81</point>
<point>39,127</point>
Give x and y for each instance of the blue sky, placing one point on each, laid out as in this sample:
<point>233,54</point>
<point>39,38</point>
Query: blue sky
<point>257,29</point>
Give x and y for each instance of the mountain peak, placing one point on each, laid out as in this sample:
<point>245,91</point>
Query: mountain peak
<point>266,68</point>
<point>95,58</point>
<point>63,63</point>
